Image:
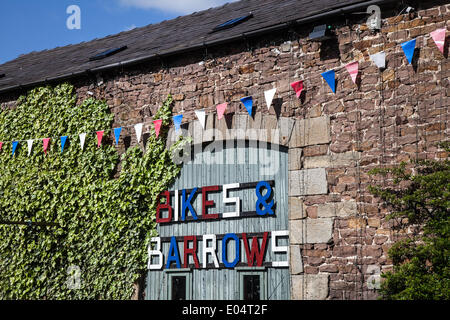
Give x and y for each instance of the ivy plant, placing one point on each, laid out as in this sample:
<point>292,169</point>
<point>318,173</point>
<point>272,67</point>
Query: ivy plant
<point>103,204</point>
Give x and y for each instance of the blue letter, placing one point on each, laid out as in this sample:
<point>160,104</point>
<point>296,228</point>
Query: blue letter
<point>173,254</point>
<point>186,204</point>
<point>224,250</point>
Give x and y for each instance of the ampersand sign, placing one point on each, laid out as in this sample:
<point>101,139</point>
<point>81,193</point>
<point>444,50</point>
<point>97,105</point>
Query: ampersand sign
<point>262,199</point>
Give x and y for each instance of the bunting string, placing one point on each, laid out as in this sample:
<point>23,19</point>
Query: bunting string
<point>297,85</point>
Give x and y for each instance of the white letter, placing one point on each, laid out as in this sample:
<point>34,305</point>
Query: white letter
<point>211,250</point>
<point>157,252</point>
<point>236,201</point>
<point>276,248</point>
<point>73,21</point>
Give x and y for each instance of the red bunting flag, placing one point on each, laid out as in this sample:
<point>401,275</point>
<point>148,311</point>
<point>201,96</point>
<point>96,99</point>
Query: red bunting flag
<point>157,124</point>
<point>221,110</point>
<point>298,87</point>
<point>99,137</point>
<point>439,38</point>
<point>352,68</point>
<point>45,144</point>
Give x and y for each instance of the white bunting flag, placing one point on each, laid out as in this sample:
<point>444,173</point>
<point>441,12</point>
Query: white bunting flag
<point>269,94</point>
<point>138,129</point>
<point>379,59</point>
<point>82,138</point>
<point>201,115</point>
<point>30,146</point>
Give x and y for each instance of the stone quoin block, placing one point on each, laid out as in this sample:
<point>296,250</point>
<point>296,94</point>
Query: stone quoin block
<point>317,162</point>
<point>294,158</point>
<point>307,182</point>
<point>296,208</point>
<point>295,259</point>
<point>337,209</point>
<point>307,132</point>
<point>309,286</point>
<point>311,230</point>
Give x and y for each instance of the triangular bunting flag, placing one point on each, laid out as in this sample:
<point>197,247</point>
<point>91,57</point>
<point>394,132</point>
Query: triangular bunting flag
<point>177,121</point>
<point>439,38</point>
<point>298,87</point>
<point>352,68</point>
<point>117,134</point>
<point>221,110</point>
<point>408,48</point>
<point>99,138</point>
<point>157,124</point>
<point>45,142</point>
<point>82,139</point>
<point>379,59</point>
<point>268,95</point>
<point>1,145</point>
<point>329,77</point>
<point>248,103</point>
<point>14,146</point>
<point>201,115</point>
<point>138,129</point>
<point>63,142</point>
<point>30,146</point>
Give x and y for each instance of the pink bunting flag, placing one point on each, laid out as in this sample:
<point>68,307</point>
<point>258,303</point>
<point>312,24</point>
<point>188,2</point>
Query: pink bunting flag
<point>221,110</point>
<point>352,68</point>
<point>157,124</point>
<point>298,87</point>
<point>439,38</point>
<point>45,144</point>
<point>1,145</point>
<point>99,138</point>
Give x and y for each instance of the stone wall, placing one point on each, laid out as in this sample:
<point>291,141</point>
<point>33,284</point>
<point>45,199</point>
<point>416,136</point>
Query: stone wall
<point>338,233</point>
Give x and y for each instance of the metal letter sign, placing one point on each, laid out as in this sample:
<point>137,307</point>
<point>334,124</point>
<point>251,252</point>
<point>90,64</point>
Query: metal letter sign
<point>254,253</point>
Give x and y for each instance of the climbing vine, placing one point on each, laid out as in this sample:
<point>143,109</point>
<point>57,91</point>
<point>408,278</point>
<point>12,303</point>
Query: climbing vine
<point>104,207</point>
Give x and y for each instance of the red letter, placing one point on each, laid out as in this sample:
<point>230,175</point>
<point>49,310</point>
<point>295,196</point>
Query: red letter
<point>208,203</point>
<point>190,251</point>
<point>259,254</point>
<point>163,206</point>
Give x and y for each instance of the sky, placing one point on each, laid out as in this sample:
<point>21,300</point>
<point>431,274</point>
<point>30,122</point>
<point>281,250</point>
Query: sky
<point>35,25</point>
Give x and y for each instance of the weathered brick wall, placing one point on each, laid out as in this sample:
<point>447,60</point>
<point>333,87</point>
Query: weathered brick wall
<point>390,116</point>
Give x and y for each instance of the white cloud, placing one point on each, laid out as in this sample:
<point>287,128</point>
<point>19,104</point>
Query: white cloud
<point>176,6</point>
<point>133,26</point>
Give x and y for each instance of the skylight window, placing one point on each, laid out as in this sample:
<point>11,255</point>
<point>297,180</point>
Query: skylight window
<point>231,23</point>
<point>107,53</point>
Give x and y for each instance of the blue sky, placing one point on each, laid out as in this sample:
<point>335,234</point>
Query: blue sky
<point>35,25</point>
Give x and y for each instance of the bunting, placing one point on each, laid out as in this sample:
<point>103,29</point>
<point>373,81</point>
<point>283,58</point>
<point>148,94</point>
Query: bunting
<point>157,124</point>
<point>82,139</point>
<point>439,38</point>
<point>201,116</point>
<point>352,69</point>
<point>177,121</point>
<point>1,145</point>
<point>268,95</point>
<point>138,129</point>
<point>221,110</point>
<point>117,132</point>
<point>379,59</point>
<point>45,142</point>
<point>329,77</point>
<point>63,142</point>
<point>298,87</point>
<point>99,137</point>
<point>30,146</point>
<point>248,104</point>
<point>408,48</point>
<point>14,146</point>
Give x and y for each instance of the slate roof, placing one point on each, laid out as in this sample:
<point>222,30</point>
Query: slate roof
<point>182,33</point>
